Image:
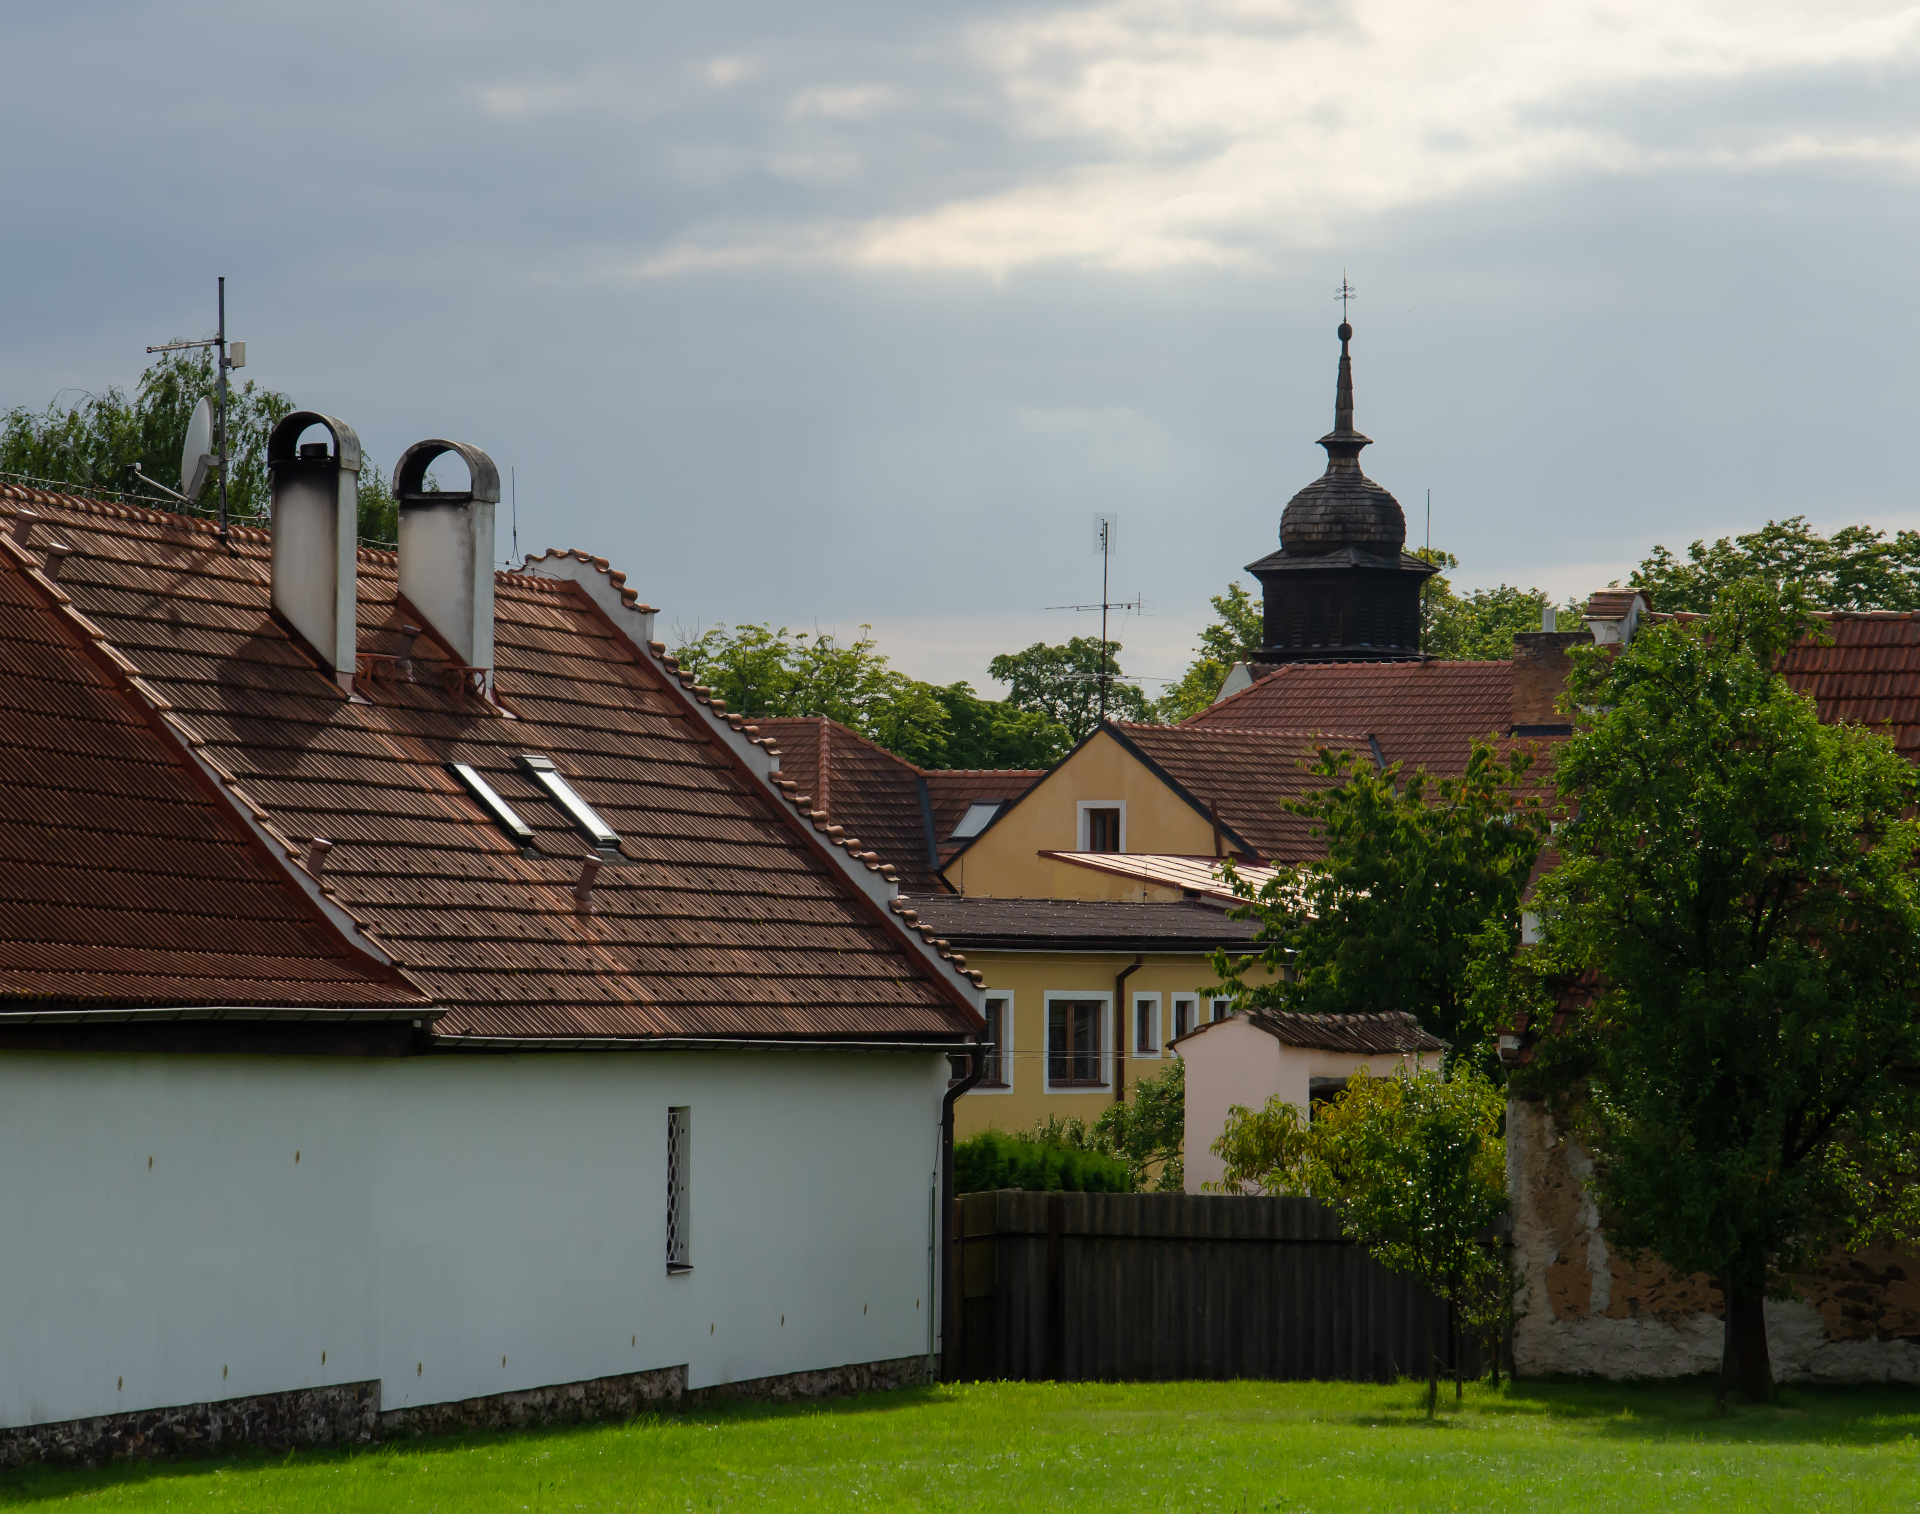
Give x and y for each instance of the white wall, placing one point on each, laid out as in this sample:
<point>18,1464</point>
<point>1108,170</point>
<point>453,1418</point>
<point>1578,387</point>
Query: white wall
<point>1234,1062</point>
<point>446,1212</point>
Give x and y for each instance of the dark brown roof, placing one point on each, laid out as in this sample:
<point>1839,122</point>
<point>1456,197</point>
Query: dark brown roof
<point>1424,714</point>
<point>1247,774</point>
<point>1080,924</point>
<point>885,801</point>
<point>1367,1035</point>
<point>126,880</point>
<point>955,790</point>
<point>724,913</point>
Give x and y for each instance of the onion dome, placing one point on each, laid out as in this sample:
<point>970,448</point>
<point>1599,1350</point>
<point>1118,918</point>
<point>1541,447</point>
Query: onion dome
<point>1343,507</point>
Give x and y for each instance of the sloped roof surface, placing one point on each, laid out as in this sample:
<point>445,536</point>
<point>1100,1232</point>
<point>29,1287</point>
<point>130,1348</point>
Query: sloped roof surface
<point>1202,876</point>
<point>721,916</point>
<point>1366,1035</point>
<point>1247,773</point>
<point>981,924</point>
<point>861,786</point>
<point>125,881</point>
<point>954,790</point>
<point>1424,714</point>
<point>1870,675</point>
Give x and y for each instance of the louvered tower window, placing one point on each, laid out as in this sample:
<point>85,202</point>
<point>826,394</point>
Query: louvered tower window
<point>679,1227</point>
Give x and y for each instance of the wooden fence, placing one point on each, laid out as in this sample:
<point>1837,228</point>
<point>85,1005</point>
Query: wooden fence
<point>1151,1286</point>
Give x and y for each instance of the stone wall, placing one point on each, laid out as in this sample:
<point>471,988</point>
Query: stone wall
<point>350,1412</point>
<point>1586,1311</point>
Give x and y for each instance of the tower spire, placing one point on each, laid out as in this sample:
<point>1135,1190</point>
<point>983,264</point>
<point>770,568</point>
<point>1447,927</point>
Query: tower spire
<point>1343,391</point>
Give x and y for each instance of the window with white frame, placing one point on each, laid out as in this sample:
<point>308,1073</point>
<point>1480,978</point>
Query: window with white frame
<point>1076,1042</point>
<point>1103,826</point>
<point>679,1211</point>
<point>1146,1025</point>
<point>1186,1014</point>
<point>996,1064</point>
<point>1222,1008</point>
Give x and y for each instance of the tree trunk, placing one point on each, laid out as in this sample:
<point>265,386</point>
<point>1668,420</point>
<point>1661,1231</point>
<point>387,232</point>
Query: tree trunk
<point>1744,1362</point>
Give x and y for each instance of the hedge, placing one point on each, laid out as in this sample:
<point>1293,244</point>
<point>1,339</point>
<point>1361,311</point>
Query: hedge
<point>992,1160</point>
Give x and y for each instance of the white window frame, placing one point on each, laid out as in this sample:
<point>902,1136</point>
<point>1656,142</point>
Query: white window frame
<point>1214,1016</point>
<point>1104,1088</point>
<point>1007,1063</point>
<point>1080,822</point>
<point>1193,1002</point>
<point>1134,1001</point>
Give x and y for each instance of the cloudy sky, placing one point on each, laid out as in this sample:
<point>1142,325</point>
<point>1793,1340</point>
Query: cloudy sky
<point>858,312</point>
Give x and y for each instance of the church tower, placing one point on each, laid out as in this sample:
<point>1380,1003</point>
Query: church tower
<point>1342,587</point>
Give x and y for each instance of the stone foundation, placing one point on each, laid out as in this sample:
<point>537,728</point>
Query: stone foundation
<point>350,1412</point>
<point>1585,1311</point>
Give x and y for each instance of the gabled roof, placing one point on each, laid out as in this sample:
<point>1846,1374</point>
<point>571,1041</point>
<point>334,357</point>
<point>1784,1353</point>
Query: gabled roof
<point>953,791</point>
<point>1424,714</point>
<point>1246,774</point>
<point>723,914</point>
<point>126,880</point>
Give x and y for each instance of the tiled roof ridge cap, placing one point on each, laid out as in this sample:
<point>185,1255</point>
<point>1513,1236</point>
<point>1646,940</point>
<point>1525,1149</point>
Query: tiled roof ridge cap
<point>87,504</point>
<point>1246,730</point>
<point>615,578</point>
<point>986,772</point>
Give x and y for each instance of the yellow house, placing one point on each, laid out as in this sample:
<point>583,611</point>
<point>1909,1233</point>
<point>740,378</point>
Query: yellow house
<point>1083,996</point>
<point>1145,791</point>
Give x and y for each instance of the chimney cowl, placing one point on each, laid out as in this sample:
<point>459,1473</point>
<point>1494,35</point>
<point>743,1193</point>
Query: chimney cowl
<point>447,549</point>
<point>316,536</point>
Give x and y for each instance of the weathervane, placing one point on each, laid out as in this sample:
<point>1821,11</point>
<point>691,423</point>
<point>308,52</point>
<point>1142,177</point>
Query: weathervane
<point>1344,293</point>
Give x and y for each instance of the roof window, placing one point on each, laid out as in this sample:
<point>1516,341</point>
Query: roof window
<point>492,803</point>
<point>542,771</point>
<point>976,820</point>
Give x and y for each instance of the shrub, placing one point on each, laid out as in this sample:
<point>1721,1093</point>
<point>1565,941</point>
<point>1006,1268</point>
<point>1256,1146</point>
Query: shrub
<point>993,1160</point>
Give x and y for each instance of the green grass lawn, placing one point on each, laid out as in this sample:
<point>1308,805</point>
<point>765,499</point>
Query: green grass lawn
<point>1570,1448</point>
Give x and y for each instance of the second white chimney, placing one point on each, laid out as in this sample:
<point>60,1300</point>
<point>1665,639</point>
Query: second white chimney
<point>446,549</point>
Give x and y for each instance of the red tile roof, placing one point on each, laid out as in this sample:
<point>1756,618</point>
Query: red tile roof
<point>126,879</point>
<point>1870,675</point>
<point>724,913</point>
<point>1370,1035</point>
<point>1424,714</point>
<point>954,791</point>
<point>1247,774</point>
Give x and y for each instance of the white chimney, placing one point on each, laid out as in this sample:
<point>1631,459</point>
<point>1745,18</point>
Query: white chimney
<point>446,550</point>
<point>316,536</point>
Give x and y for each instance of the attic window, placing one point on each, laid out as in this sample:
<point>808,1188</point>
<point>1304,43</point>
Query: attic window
<point>976,820</point>
<point>492,803</point>
<point>542,771</point>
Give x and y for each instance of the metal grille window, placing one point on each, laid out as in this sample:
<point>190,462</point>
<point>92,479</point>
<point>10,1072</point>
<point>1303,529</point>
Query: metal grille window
<point>1073,1043</point>
<point>679,1229</point>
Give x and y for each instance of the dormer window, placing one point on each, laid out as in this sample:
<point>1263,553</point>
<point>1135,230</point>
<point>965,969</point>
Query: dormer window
<point>542,771</point>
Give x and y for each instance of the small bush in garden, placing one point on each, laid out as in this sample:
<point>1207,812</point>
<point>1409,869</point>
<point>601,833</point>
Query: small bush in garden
<point>993,1160</point>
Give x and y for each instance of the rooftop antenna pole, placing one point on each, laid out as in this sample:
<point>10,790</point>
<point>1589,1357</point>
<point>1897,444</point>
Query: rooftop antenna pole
<point>1106,676</point>
<point>222,339</point>
<point>224,361</point>
<point>513,478</point>
<point>1429,520</point>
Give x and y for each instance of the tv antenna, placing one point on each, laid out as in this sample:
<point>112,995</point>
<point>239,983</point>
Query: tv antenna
<point>197,458</point>
<point>1104,524</point>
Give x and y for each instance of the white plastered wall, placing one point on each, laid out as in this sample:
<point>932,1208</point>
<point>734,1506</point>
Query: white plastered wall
<point>1234,1062</point>
<point>447,1212</point>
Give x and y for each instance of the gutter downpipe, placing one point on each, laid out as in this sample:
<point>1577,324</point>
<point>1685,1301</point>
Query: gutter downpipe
<point>950,1247</point>
<point>1122,1026</point>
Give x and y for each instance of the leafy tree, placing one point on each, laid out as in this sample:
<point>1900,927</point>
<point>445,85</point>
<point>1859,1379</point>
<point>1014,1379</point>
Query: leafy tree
<point>761,671</point>
<point>993,1160</point>
<point>1413,1165</point>
<point>1738,880</point>
<point>94,446</point>
<point>1475,627</point>
<point>1063,683</point>
<point>1857,568</point>
<point>1416,872</point>
<point>1146,1132</point>
<point>1240,629</point>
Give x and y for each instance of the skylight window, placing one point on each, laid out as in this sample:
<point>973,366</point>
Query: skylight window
<point>976,820</point>
<point>492,803</point>
<point>542,771</point>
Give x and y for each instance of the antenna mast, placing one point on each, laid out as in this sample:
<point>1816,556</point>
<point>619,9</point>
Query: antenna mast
<point>237,360</point>
<point>1105,677</point>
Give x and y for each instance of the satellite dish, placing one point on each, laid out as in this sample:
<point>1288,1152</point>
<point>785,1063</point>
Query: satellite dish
<point>196,457</point>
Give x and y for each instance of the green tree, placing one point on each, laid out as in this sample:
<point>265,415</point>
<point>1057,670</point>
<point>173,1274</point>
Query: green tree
<point>1417,870</point>
<point>1240,630</point>
<point>1063,684</point>
<point>1738,880</point>
<point>1413,1165</point>
<point>1475,627</point>
<point>990,733</point>
<point>994,1160</point>
<point>1857,568</point>
<point>1146,1132</point>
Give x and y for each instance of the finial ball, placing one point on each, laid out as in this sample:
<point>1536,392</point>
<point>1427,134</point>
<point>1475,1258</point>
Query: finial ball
<point>1345,332</point>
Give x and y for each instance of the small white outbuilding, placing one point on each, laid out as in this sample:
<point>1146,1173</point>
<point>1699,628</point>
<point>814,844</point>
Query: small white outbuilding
<point>1252,1056</point>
